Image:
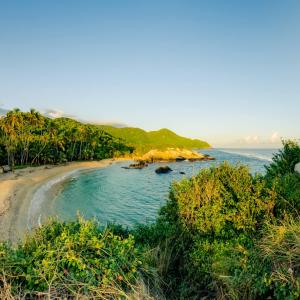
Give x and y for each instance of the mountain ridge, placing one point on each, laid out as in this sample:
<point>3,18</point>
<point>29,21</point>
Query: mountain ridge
<point>163,138</point>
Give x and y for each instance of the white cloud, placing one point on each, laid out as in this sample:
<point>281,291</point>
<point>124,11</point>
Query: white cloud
<point>275,138</point>
<point>255,140</point>
<point>251,139</point>
<point>56,113</point>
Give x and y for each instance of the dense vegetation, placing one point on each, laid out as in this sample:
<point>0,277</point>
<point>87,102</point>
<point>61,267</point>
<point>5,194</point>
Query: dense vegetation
<point>30,138</point>
<point>144,141</point>
<point>76,259</point>
<point>223,234</point>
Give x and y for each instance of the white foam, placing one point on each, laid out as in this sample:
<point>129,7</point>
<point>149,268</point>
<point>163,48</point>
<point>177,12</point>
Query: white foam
<point>34,211</point>
<point>248,154</point>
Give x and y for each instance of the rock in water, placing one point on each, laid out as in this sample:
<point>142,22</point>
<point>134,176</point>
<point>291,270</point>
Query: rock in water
<point>163,170</point>
<point>138,165</point>
<point>180,158</point>
<point>181,172</point>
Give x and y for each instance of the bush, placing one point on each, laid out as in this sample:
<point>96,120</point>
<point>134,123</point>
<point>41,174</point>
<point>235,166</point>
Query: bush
<point>271,267</point>
<point>284,161</point>
<point>209,217</point>
<point>281,175</point>
<point>280,246</point>
<point>69,259</point>
<point>223,202</point>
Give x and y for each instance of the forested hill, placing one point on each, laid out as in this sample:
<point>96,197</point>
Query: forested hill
<point>29,138</point>
<point>143,141</point>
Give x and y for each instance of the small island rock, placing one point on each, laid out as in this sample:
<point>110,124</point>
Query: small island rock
<point>163,170</point>
<point>180,158</point>
<point>139,165</point>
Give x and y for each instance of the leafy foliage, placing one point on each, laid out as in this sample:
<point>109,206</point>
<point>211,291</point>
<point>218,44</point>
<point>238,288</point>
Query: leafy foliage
<point>285,160</point>
<point>222,201</point>
<point>74,258</point>
<point>30,138</point>
<point>285,180</point>
<point>215,212</point>
<point>225,234</point>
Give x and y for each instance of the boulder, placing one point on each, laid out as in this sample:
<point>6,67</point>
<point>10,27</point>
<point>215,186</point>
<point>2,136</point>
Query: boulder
<point>139,165</point>
<point>193,159</point>
<point>6,168</point>
<point>181,172</point>
<point>163,170</point>
<point>210,158</point>
<point>180,158</point>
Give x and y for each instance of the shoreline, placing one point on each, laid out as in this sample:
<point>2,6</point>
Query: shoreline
<point>18,190</point>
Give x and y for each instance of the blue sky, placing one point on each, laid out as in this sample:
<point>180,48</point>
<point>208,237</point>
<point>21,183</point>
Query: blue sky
<point>224,71</point>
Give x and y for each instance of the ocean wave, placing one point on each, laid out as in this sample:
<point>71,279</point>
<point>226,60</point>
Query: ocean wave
<point>254,155</point>
<point>35,209</point>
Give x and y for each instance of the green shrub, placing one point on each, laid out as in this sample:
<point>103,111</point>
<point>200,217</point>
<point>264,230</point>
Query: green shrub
<point>222,201</point>
<point>285,160</point>
<point>226,237</point>
<point>271,267</point>
<point>214,218</point>
<point>71,259</point>
<point>281,175</point>
<point>280,246</point>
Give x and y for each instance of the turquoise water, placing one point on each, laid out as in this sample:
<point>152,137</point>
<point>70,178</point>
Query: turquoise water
<point>114,194</point>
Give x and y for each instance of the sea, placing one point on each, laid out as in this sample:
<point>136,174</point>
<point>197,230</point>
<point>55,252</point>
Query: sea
<point>127,196</point>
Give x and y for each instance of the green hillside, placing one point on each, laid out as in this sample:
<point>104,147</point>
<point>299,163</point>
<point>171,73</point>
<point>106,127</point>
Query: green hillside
<point>161,139</point>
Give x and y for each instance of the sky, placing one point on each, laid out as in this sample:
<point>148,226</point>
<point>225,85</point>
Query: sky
<point>224,71</point>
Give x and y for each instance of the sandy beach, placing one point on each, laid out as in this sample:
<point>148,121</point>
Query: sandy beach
<point>17,190</point>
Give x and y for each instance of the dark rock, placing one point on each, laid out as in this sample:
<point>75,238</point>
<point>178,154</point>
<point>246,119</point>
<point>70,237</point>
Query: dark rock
<point>181,172</point>
<point>180,158</point>
<point>6,169</point>
<point>210,158</point>
<point>196,159</point>
<point>163,170</point>
<point>139,165</point>
<point>206,157</point>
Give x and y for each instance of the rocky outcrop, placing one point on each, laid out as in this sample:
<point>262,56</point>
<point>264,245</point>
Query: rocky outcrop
<point>206,157</point>
<point>6,169</point>
<point>163,170</point>
<point>180,158</point>
<point>172,154</point>
<point>139,165</point>
<point>297,168</point>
